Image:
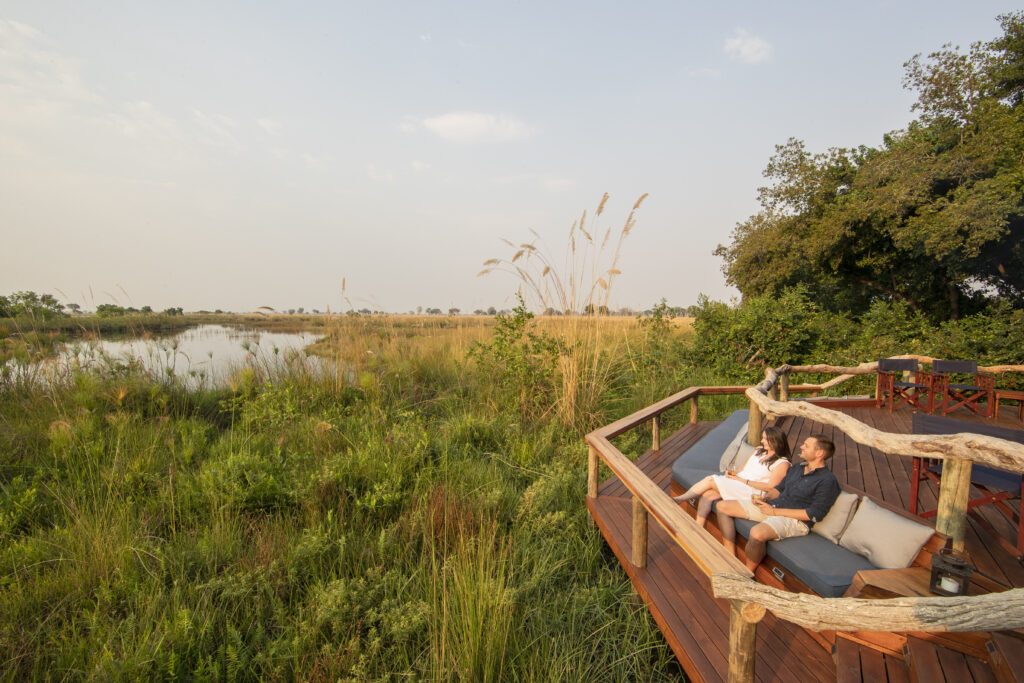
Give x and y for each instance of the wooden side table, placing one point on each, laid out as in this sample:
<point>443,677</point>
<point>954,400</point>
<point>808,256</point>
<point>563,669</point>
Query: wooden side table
<point>909,582</point>
<point>1017,396</point>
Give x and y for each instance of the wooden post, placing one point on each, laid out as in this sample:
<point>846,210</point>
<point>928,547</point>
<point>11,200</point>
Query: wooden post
<point>639,533</point>
<point>592,473</point>
<point>693,409</point>
<point>656,433</point>
<point>754,426</point>
<point>954,492</point>
<point>743,618</point>
<point>784,387</point>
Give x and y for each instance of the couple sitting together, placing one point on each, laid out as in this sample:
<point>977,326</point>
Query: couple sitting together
<point>785,500</point>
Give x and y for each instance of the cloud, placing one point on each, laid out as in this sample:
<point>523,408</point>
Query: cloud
<point>471,126</point>
<point>380,176</point>
<point>215,130</point>
<point>409,125</point>
<point>419,166</point>
<point>425,37</point>
<point>35,75</point>
<point>314,162</point>
<point>143,121</point>
<point>271,126</point>
<point>748,48</point>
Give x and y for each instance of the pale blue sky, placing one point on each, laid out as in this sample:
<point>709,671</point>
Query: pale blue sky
<point>235,155</point>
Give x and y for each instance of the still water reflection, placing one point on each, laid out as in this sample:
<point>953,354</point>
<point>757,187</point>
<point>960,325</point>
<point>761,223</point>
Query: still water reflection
<point>207,355</point>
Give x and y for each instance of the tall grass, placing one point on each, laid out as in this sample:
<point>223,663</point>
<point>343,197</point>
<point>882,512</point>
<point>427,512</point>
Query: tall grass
<point>579,290</point>
<point>394,521</point>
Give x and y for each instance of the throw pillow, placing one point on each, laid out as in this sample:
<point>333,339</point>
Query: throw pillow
<point>730,455</point>
<point>835,522</point>
<point>888,540</point>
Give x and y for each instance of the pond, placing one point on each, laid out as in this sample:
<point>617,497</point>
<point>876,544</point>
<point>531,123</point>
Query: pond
<point>203,356</point>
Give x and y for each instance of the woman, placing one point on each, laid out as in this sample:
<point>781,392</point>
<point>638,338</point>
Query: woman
<point>764,469</point>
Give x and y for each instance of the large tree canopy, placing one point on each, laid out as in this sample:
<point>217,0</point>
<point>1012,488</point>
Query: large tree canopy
<point>933,218</point>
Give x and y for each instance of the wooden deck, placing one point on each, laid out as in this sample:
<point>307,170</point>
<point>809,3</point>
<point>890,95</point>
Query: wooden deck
<point>696,625</point>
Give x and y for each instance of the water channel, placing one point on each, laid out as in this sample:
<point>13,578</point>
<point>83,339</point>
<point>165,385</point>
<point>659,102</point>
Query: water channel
<point>202,356</point>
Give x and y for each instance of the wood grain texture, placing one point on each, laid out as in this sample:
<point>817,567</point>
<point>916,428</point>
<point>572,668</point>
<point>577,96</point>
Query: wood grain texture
<point>994,611</point>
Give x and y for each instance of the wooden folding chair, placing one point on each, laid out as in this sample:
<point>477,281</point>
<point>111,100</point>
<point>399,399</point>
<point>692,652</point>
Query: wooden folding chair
<point>996,486</point>
<point>893,392</point>
<point>951,396</point>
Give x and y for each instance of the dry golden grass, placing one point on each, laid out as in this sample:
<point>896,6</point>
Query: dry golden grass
<point>592,347</point>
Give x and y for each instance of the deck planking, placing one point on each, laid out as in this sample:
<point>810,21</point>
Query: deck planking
<point>696,625</point>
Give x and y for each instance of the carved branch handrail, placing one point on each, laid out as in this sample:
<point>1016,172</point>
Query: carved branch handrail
<point>849,372</point>
<point>990,612</point>
<point>988,450</point>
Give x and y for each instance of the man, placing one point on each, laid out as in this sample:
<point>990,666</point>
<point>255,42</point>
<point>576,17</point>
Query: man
<point>804,497</point>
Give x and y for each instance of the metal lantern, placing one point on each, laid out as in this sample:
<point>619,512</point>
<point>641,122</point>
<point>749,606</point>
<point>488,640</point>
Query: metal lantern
<point>951,573</point>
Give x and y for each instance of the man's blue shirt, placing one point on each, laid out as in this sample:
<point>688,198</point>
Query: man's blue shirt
<point>814,492</point>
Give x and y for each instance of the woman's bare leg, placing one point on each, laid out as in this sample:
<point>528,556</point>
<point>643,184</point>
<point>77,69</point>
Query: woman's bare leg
<point>697,489</point>
<point>727,510</point>
<point>704,506</point>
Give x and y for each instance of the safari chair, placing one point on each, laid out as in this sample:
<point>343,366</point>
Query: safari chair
<point>951,396</point>
<point>997,487</point>
<point>893,392</point>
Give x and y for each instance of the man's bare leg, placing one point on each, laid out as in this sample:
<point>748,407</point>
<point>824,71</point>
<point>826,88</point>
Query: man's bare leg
<point>756,544</point>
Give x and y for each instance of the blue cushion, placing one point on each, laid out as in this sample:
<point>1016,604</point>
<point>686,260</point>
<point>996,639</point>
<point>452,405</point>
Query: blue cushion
<point>825,567</point>
<point>688,476</point>
<point>706,453</point>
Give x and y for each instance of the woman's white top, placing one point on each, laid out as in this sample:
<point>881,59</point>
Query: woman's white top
<point>754,470</point>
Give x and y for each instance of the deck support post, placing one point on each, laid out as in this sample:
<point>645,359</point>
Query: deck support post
<point>693,409</point>
<point>954,492</point>
<point>656,433</point>
<point>592,473</point>
<point>639,533</point>
<point>743,618</point>
<point>754,426</point>
<point>784,387</point>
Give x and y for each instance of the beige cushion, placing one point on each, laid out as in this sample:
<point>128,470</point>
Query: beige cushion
<point>732,456</point>
<point>888,540</point>
<point>834,523</point>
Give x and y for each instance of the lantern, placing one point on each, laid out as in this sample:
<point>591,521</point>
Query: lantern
<point>951,573</point>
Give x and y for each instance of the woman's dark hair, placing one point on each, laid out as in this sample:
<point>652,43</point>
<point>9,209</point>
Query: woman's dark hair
<point>777,442</point>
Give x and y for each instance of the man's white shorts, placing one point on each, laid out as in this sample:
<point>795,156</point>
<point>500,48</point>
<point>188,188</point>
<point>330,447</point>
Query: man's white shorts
<point>785,527</point>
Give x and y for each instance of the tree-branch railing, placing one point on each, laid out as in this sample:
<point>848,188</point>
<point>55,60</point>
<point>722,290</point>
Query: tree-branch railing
<point>731,579</point>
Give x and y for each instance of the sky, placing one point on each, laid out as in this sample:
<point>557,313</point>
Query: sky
<point>216,155</point>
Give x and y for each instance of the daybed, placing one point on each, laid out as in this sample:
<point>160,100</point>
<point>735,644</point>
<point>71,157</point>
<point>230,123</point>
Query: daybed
<point>817,562</point>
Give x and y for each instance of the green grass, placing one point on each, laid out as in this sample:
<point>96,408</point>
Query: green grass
<point>409,524</point>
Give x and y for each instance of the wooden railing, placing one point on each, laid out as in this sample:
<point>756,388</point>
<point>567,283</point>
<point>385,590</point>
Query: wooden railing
<point>731,580</point>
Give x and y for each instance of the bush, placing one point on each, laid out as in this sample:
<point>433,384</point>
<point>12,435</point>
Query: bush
<point>522,362</point>
<point>738,341</point>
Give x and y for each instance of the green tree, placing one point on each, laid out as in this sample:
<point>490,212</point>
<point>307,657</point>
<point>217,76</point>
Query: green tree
<point>31,305</point>
<point>109,310</point>
<point>933,219</point>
